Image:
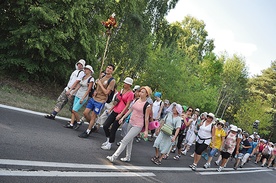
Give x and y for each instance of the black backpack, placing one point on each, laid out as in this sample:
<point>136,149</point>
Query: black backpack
<point>111,94</point>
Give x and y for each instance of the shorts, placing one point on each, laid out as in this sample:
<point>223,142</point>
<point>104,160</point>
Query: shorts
<point>225,155</point>
<point>77,105</point>
<point>199,148</point>
<point>212,152</point>
<point>95,106</point>
<point>240,155</point>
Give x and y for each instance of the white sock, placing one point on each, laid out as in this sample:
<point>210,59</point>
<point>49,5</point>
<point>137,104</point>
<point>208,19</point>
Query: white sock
<point>88,131</point>
<point>107,139</point>
<point>71,124</point>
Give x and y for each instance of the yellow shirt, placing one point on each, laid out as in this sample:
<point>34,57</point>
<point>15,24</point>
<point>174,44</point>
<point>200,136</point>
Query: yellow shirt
<point>219,135</point>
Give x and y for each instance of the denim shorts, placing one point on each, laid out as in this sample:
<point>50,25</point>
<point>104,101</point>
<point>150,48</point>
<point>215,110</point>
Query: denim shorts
<point>212,152</point>
<point>95,106</point>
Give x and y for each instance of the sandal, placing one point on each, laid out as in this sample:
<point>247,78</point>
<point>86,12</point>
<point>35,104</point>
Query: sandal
<point>154,158</point>
<point>166,156</point>
<point>157,162</point>
<point>177,157</point>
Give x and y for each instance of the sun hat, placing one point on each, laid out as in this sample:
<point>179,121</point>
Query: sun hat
<point>234,128</point>
<point>128,80</point>
<point>221,122</point>
<point>89,67</point>
<point>197,109</point>
<point>239,129</point>
<point>177,106</point>
<point>211,115</point>
<point>158,94</point>
<point>82,62</point>
<point>166,101</point>
<point>251,136</point>
<point>148,89</point>
<point>136,87</point>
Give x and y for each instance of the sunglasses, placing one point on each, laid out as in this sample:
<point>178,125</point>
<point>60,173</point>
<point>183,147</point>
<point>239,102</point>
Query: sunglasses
<point>190,110</point>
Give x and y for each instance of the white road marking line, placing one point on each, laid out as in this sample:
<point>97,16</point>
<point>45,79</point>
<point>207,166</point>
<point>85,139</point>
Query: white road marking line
<point>109,167</point>
<point>71,174</point>
<point>233,172</point>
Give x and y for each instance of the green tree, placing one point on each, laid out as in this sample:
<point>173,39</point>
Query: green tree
<point>255,108</point>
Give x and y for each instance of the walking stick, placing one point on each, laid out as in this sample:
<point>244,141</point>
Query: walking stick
<point>106,46</point>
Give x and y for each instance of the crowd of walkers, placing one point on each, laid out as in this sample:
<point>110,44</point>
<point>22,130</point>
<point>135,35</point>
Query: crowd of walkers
<point>171,127</point>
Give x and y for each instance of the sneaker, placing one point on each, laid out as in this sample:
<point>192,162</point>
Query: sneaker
<point>207,165</point>
<point>125,159</point>
<point>84,135</point>
<point>177,157</point>
<point>217,163</point>
<point>95,129</point>
<point>184,153</point>
<point>192,155</point>
<point>235,168</point>
<point>118,143</point>
<point>262,165</point>
<point>111,158</point>
<point>241,166</point>
<point>105,143</point>
<point>192,165</point>
<point>78,124</point>
<point>68,126</point>
<point>106,147</point>
<point>137,139</point>
<point>50,116</point>
<point>219,169</point>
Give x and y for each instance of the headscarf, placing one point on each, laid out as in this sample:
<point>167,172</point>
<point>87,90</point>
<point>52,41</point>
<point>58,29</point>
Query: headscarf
<point>178,108</point>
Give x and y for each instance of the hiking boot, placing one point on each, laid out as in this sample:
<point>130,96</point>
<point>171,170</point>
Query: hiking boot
<point>84,135</point>
<point>50,116</point>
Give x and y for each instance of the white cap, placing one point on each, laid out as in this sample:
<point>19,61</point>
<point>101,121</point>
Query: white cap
<point>234,128</point>
<point>128,80</point>
<point>136,87</point>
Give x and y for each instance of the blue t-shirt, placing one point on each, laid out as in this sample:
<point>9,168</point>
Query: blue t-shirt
<point>253,145</point>
<point>244,142</point>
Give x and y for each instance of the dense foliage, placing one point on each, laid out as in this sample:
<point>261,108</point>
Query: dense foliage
<point>42,40</point>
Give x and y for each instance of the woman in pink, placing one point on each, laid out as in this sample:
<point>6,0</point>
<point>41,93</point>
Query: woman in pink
<point>139,119</point>
<point>124,98</point>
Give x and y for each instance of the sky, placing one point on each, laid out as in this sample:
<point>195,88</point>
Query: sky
<point>243,27</point>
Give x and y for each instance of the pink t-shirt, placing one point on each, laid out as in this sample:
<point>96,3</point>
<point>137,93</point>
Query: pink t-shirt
<point>137,115</point>
<point>129,96</point>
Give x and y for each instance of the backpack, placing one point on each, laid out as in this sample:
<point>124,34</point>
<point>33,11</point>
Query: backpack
<point>79,73</point>
<point>92,89</point>
<point>111,94</point>
<point>144,110</point>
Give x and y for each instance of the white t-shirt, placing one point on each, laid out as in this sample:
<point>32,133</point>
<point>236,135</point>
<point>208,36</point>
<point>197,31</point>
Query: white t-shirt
<point>76,75</point>
<point>155,109</point>
<point>84,87</point>
<point>204,132</point>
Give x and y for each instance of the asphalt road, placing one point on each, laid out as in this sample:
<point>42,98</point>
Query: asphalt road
<point>35,149</point>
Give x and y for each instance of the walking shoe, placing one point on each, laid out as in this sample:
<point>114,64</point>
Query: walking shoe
<point>207,165</point>
<point>111,158</point>
<point>84,135</point>
<point>105,143</point>
<point>78,125</point>
<point>106,147</point>
<point>95,129</point>
<point>235,168</point>
<point>194,168</point>
<point>192,155</point>
<point>219,169</point>
<point>50,116</point>
<point>262,165</point>
<point>184,153</point>
<point>68,126</point>
<point>192,165</point>
<point>241,166</point>
<point>125,159</point>
<point>177,157</point>
<point>217,163</point>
